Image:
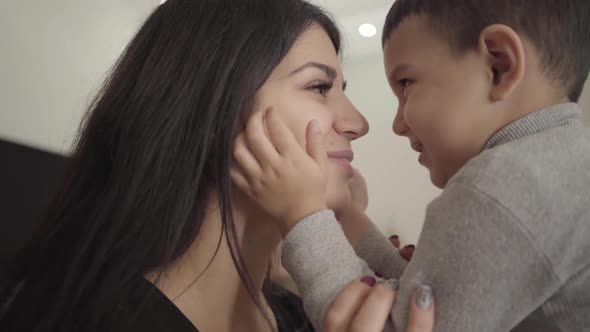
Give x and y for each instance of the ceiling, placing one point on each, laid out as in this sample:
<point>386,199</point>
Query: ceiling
<point>350,14</point>
<point>350,7</point>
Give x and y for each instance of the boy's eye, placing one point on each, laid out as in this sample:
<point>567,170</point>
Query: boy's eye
<point>322,87</point>
<point>404,83</point>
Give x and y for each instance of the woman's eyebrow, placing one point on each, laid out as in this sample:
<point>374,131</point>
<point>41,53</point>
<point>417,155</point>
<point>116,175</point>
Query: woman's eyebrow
<point>328,70</point>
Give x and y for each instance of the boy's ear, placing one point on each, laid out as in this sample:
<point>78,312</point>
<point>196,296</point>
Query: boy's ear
<point>505,52</point>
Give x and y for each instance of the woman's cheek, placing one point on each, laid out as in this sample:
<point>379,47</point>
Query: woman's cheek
<point>298,120</point>
<point>294,123</point>
<point>297,108</point>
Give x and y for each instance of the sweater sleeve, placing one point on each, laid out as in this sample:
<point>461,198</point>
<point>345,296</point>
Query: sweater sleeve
<point>486,273</point>
<point>381,256</point>
<point>320,260</point>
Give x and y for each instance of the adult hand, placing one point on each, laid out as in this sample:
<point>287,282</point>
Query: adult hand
<point>366,306</point>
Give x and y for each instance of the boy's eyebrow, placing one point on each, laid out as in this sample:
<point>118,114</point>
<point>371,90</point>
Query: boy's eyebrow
<point>397,70</point>
<point>328,70</point>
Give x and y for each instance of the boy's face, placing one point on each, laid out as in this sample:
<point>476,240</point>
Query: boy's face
<point>444,99</point>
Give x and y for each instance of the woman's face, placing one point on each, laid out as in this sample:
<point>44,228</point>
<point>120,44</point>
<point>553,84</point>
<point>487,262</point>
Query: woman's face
<point>307,85</point>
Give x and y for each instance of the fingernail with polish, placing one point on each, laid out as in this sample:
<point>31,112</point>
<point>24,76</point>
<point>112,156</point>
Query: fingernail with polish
<point>424,297</point>
<point>369,281</point>
<point>379,275</point>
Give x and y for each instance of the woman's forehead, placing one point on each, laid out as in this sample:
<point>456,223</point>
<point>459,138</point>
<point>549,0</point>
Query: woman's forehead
<point>313,46</point>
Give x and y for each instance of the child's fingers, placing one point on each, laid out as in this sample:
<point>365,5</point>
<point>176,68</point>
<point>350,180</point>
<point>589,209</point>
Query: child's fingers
<point>260,145</point>
<point>374,313</point>
<point>281,136</point>
<point>315,146</point>
<point>422,310</point>
<point>347,304</point>
<point>245,160</point>
<point>239,179</point>
<point>394,239</point>
<point>407,252</point>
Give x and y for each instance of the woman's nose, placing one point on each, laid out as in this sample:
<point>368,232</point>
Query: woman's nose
<point>351,123</point>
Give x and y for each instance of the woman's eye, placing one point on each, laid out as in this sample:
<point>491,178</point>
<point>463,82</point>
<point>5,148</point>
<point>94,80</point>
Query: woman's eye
<point>322,88</point>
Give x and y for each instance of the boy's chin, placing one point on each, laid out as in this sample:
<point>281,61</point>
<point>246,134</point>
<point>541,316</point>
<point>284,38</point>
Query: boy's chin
<point>437,178</point>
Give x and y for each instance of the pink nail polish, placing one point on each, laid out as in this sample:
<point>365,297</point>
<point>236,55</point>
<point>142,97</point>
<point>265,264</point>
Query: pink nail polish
<point>369,281</point>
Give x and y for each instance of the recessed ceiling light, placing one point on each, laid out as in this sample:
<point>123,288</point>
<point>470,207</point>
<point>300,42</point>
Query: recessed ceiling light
<point>367,30</point>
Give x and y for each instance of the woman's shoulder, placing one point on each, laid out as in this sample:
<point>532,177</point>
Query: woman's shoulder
<point>288,310</point>
<point>145,309</point>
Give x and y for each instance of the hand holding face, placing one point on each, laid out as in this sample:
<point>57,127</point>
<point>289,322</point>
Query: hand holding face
<point>352,217</point>
<point>358,191</point>
<point>286,181</point>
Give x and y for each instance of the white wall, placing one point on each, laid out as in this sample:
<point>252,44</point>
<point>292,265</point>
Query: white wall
<point>54,56</point>
<point>585,103</point>
<point>399,187</point>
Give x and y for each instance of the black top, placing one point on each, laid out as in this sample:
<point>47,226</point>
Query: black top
<point>149,310</point>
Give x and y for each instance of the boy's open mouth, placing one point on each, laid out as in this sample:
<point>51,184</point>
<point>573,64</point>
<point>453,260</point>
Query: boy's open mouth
<point>417,146</point>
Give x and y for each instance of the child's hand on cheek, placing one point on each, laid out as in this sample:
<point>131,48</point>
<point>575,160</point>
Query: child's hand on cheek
<point>352,217</point>
<point>288,182</point>
<point>358,190</point>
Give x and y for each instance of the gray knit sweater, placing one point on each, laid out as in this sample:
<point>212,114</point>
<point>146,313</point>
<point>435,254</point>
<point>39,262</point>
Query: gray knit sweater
<point>506,246</point>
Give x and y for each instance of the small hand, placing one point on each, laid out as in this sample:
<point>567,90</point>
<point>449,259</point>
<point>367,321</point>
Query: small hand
<point>352,217</point>
<point>358,190</point>
<point>359,197</point>
<point>284,179</point>
<point>406,252</point>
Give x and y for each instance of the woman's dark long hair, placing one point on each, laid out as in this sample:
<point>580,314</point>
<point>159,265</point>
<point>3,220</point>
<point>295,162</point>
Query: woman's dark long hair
<point>158,137</point>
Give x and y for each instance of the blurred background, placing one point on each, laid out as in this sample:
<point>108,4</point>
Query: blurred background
<point>54,55</point>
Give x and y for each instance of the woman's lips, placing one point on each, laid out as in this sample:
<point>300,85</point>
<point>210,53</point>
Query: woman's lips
<point>342,158</point>
<point>342,162</point>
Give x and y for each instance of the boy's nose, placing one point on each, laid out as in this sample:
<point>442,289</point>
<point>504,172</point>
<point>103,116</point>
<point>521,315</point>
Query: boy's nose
<point>400,127</point>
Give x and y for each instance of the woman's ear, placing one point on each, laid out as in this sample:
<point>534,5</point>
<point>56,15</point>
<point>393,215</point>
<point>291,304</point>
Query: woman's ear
<point>504,50</point>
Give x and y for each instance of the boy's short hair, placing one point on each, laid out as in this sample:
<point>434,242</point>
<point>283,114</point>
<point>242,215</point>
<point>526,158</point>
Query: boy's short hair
<point>559,29</point>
